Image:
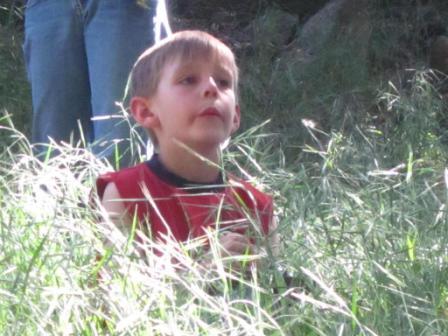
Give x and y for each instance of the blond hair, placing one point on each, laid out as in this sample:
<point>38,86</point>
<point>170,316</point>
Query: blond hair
<point>187,45</point>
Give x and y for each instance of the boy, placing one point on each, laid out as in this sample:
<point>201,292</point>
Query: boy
<point>183,92</point>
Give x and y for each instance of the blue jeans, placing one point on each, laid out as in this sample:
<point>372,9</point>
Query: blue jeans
<point>79,54</point>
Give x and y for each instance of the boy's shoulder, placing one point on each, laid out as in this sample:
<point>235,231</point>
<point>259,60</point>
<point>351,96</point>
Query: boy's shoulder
<point>248,191</point>
<point>129,182</point>
<point>252,200</point>
<point>126,179</point>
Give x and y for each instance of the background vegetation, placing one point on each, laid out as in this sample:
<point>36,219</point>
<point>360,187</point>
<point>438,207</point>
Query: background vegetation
<point>354,154</point>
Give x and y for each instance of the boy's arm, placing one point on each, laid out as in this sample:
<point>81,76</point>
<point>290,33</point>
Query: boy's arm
<point>114,205</point>
<point>274,237</point>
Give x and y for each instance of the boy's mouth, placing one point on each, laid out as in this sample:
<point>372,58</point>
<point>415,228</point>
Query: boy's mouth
<point>210,112</point>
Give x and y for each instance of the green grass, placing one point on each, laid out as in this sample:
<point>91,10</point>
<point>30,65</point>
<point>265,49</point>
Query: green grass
<point>50,239</point>
<point>363,245</point>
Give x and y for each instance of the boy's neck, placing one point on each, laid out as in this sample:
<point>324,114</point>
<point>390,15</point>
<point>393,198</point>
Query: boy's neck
<point>191,166</point>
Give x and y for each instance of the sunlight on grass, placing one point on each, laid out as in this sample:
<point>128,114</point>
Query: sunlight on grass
<point>51,282</point>
<point>363,249</point>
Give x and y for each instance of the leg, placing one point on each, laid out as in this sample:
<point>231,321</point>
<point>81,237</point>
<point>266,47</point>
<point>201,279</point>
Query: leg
<point>57,69</point>
<point>116,33</point>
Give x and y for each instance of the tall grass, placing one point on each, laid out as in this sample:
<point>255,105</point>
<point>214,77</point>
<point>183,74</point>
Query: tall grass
<point>363,248</point>
<point>52,282</point>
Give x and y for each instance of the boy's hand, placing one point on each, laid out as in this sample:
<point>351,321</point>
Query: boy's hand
<point>236,244</point>
<point>233,244</point>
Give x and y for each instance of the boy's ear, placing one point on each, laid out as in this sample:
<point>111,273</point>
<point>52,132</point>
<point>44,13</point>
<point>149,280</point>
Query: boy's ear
<point>236,119</point>
<point>141,111</point>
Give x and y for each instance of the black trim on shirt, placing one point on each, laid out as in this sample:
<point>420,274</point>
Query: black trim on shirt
<point>158,168</point>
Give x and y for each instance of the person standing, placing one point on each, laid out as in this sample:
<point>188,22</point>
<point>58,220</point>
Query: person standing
<point>78,55</point>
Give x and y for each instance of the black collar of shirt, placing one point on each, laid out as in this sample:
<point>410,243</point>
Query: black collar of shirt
<point>158,168</point>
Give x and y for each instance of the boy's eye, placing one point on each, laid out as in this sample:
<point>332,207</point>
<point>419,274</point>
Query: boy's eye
<point>222,82</point>
<point>188,80</point>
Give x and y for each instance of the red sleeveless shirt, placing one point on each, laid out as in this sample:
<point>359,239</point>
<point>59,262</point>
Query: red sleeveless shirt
<point>237,206</point>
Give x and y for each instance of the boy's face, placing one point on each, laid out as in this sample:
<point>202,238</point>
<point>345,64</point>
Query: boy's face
<point>195,103</point>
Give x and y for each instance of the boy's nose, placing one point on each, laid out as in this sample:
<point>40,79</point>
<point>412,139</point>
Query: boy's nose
<point>210,88</point>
